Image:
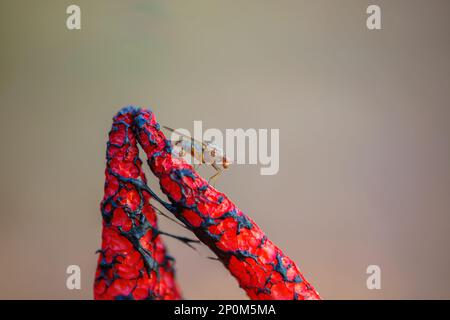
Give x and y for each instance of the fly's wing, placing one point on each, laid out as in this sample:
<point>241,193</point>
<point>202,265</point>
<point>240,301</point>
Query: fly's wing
<point>203,152</point>
<point>196,151</point>
<point>186,136</point>
<point>213,154</point>
<point>178,151</point>
<point>183,148</point>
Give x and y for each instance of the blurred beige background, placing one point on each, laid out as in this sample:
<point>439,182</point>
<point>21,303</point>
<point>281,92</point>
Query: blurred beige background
<point>364,121</point>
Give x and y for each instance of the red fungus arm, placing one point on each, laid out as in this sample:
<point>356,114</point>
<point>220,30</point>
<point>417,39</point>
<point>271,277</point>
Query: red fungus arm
<point>260,267</point>
<point>133,263</point>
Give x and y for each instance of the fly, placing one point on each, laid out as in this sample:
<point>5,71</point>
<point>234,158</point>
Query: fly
<point>205,152</point>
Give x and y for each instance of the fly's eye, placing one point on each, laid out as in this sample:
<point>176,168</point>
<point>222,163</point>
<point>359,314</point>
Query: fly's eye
<point>213,153</point>
<point>225,163</point>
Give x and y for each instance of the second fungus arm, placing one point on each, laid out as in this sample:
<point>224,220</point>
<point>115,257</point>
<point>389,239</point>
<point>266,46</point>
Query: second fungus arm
<point>133,263</point>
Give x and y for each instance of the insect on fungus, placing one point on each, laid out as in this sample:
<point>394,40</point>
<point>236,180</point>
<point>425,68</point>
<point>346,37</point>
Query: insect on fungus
<point>205,152</point>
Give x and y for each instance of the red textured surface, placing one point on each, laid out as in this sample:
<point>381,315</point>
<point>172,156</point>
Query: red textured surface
<point>133,263</point>
<point>260,267</point>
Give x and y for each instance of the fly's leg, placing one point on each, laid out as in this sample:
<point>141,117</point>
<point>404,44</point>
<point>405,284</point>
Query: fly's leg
<point>212,179</point>
<point>196,166</point>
